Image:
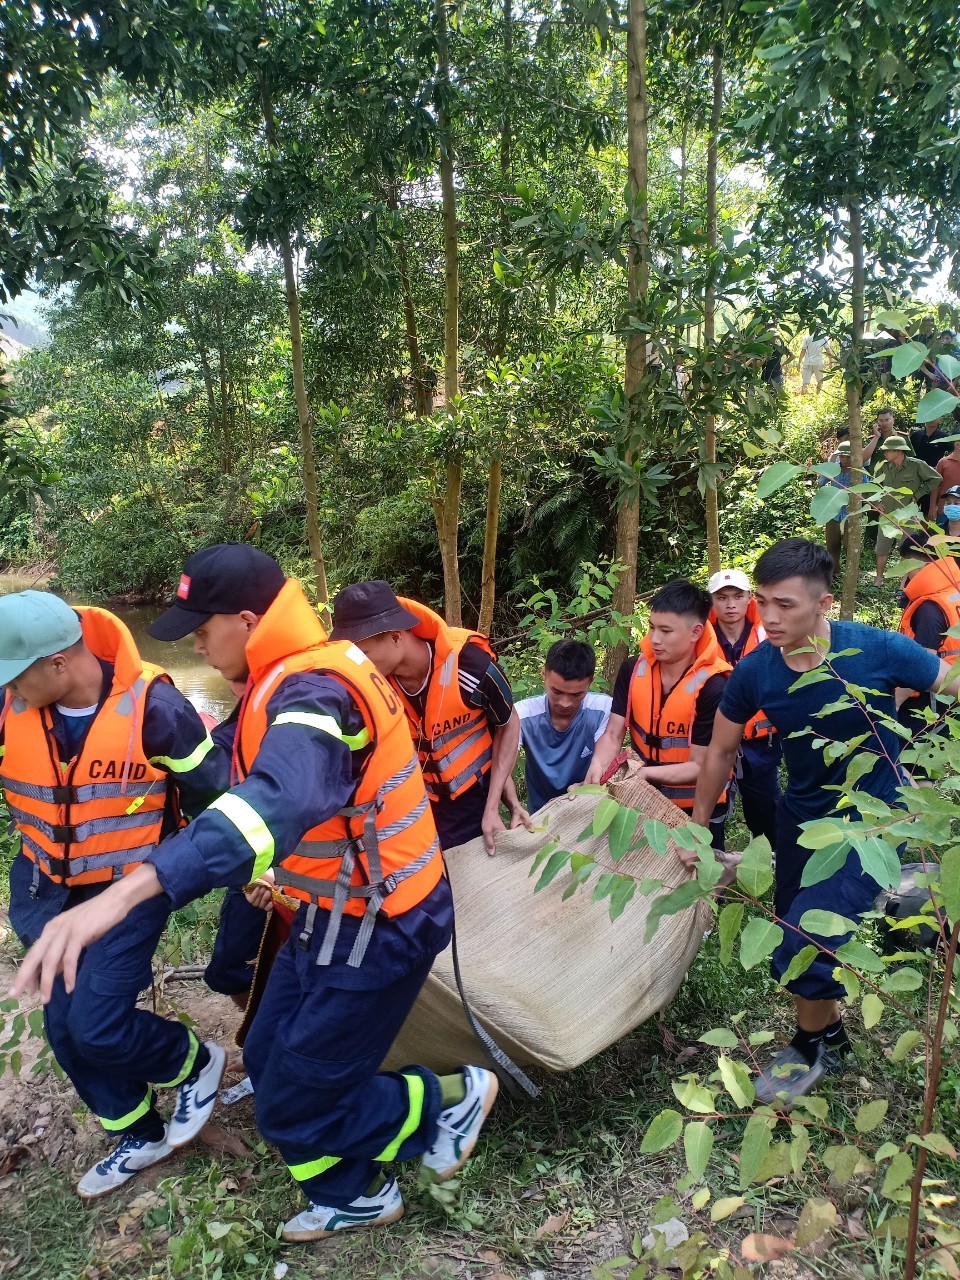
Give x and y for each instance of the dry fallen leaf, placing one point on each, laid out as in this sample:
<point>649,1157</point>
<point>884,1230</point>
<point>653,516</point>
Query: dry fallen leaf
<point>218,1139</point>
<point>556,1222</point>
<point>758,1247</point>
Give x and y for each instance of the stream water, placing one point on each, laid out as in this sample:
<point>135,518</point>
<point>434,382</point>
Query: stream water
<point>205,688</point>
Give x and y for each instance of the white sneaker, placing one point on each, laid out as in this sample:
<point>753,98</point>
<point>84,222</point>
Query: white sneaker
<point>127,1158</point>
<point>196,1100</point>
<point>319,1221</point>
<point>459,1126</point>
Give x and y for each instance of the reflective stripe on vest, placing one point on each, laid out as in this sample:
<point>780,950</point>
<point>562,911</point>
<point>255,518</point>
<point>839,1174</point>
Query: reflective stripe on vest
<point>648,708</point>
<point>97,816</point>
<point>456,757</point>
<point>380,852</point>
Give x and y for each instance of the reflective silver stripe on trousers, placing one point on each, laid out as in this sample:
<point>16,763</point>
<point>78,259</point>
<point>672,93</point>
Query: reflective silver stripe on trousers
<point>95,827</point>
<point>93,791</point>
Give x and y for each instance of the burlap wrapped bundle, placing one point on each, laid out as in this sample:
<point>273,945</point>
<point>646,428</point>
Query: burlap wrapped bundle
<point>553,982</point>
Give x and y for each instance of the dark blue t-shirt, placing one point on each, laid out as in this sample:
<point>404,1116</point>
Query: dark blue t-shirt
<point>884,661</point>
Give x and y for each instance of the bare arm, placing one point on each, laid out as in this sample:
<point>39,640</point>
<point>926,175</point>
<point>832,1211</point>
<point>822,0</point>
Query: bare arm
<point>947,679</point>
<point>608,746</point>
<point>716,768</point>
<point>506,744</point>
<point>681,774</point>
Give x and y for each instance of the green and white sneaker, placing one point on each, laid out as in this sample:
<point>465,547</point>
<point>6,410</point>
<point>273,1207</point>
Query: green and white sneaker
<point>458,1127</point>
<point>319,1221</point>
<point>127,1158</point>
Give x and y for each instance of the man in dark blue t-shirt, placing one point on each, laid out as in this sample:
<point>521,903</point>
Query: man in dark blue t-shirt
<point>793,593</point>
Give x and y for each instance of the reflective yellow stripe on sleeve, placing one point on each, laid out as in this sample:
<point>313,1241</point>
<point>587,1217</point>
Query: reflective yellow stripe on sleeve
<point>185,763</point>
<point>251,826</point>
<point>326,724</point>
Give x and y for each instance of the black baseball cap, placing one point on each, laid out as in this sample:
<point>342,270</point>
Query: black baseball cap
<point>226,578</point>
<point>368,609</point>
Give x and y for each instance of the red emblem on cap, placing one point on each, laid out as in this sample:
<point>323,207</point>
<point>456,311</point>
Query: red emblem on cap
<point>184,588</point>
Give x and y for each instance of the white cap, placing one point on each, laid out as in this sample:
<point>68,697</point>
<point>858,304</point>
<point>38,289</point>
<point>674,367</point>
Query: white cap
<point>728,578</point>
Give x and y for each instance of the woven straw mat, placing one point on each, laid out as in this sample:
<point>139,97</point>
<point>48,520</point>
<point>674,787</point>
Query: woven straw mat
<point>554,982</point>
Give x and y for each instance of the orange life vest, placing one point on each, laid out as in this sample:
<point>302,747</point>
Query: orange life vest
<point>759,726</point>
<point>453,739</point>
<point>661,727</point>
<point>939,583</point>
<point>381,851</point>
<point>96,817</point>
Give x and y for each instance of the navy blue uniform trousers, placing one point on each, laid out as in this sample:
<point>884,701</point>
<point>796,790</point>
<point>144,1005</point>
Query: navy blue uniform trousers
<point>314,1053</point>
<point>848,892</point>
<point>112,1051</point>
<point>758,785</point>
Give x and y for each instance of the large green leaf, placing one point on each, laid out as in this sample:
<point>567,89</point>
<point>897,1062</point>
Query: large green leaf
<point>907,358</point>
<point>949,365</point>
<point>824,862</point>
<point>825,924</point>
<point>759,940</point>
<point>934,405</point>
<point>621,831</point>
<point>663,1131</point>
<point>950,883</point>
<point>755,869</point>
<point>776,477</point>
<point>728,926</point>
<point>697,1145</point>
<point>753,1149</point>
<point>736,1080</point>
<point>826,503</point>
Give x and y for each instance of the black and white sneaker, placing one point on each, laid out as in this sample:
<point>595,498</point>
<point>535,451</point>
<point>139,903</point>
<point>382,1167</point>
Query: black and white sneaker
<point>196,1099</point>
<point>127,1158</point>
<point>319,1221</point>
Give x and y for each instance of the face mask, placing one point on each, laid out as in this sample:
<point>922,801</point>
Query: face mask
<point>952,512</point>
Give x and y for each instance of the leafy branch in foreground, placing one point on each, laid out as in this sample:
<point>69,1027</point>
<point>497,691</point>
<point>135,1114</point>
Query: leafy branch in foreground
<point>912,991</point>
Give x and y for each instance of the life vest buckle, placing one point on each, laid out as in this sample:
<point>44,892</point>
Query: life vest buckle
<point>59,868</point>
<point>65,795</point>
<point>64,834</point>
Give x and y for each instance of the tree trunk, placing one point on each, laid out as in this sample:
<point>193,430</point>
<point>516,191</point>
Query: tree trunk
<point>488,577</point>
<point>448,504</point>
<point>304,413</point>
<point>628,515</point>
<point>710,317</point>
<point>409,314</point>
<point>851,572</point>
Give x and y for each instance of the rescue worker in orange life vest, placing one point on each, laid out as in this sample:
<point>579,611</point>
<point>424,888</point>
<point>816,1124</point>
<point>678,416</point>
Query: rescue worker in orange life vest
<point>757,776</point>
<point>327,790</point>
<point>931,595</point>
<point>98,746</point>
<point>458,701</point>
<point>667,698</point>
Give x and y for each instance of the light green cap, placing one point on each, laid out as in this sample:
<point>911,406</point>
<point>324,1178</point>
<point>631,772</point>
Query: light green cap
<point>33,624</point>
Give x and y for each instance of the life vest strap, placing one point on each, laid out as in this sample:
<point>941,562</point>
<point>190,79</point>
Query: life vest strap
<point>436,788</point>
<point>760,729</point>
<point>62,869</point>
<point>67,833</point>
<point>375,894</point>
<point>451,735</point>
<point>76,795</point>
<point>441,763</point>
